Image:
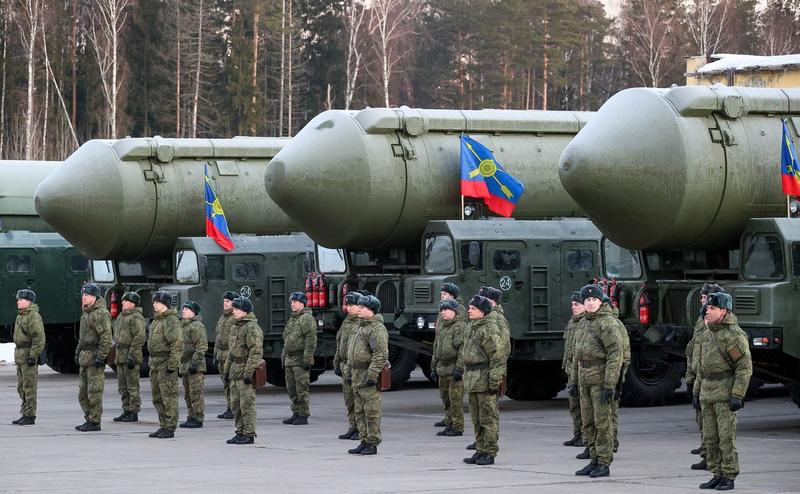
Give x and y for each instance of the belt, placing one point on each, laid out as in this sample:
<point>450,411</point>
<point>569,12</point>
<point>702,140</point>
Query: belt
<point>297,353</point>
<point>446,362</point>
<point>89,347</point>
<point>238,360</point>
<point>159,354</point>
<point>591,363</point>
<point>359,366</point>
<point>472,367</point>
<point>123,347</point>
<point>719,376</point>
<point>222,348</point>
<point>23,346</point>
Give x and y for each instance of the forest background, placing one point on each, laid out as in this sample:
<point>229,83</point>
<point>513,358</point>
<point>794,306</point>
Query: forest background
<point>73,70</point>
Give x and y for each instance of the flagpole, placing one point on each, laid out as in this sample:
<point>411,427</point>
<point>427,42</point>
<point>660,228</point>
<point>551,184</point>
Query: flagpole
<point>788,206</point>
<point>462,207</point>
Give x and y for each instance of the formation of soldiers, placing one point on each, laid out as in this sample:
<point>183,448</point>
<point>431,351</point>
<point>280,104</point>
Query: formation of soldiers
<point>470,352</point>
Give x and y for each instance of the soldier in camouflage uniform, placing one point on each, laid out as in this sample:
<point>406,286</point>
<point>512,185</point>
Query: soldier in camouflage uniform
<point>447,367</point>
<point>566,365</point>
<point>723,374</point>
<point>626,362</point>
<point>129,332</point>
<point>165,346</point>
<point>94,343</point>
<point>691,367</point>
<point>223,332</point>
<point>449,291</point>
<point>193,363</point>
<point>495,295</point>
<point>484,367</point>
<point>29,342</point>
<point>598,359</point>
<point>297,357</point>
<point>246,349</point>
<point>348,328</point>
<point>367,355</point>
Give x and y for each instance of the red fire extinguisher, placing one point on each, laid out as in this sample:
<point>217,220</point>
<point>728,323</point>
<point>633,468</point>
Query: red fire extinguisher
<point>114,305</point>
<point>314,300</point>
<point>613,292</point>
<point>322,291</point>
<point>644,309</point>
<point>309,288</point>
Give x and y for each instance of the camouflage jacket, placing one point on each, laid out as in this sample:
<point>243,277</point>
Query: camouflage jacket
<point>129,333</point>
<point>691,360</point>
<point>569,342</point>
<point>447,344</point>
<point>223,333</point>
<point>724,364</point>
<point>94,339</point>
<point>28,334</point>
<point>505,330</point>
<point>165,343</point>
<point>368,350</point>
<point>346,330</point>
<point>599,349</point>
<point>195,344</point>
<point>299,339</point>
<point>246,348</point>
<point>482,357</point>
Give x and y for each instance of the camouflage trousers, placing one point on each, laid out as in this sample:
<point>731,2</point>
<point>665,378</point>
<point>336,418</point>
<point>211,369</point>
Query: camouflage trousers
<point>615,422</point>
<point>243,405</point>
<point>297,382</point>
<point>128,387</point>
<point>226,385</point>
<point>452,394</point>
<point>27,383</point>
<point>698,417</point>
<point>165,397</point>
<point>349,401</point>
<point>485,416</point>
<point>719,434</point>
<point>90,392</point>
<point>367,405</point>
<point>575,413</point>
<point>597,424</point>
<point>193,395</point>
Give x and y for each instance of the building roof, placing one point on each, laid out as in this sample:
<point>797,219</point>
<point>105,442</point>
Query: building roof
<point>731,62</point>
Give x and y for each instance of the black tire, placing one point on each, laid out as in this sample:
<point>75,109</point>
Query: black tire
<point>534,380</point>
<point>314,374</point>
<point>61,354</point>
<point>424,362</point>
<point>275,374</point>
<point>403,362</point>
<point>752,388</point>
<point>144,369</point>
<point>651,383</point>
<point>794,392</point>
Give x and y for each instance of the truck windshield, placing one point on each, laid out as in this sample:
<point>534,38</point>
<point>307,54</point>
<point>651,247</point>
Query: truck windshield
<point>763,257</point>
<point>102,271</point>
<point>330,260</point>
<point>621,263</point>
<point>439,257</point>
<point>186,269</point>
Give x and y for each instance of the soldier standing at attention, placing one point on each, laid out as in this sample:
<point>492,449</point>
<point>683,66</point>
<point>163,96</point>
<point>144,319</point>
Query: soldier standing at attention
<point>246,349</point>
<point>299,344</point>
<point>349,326</point>
<point>193,363</point>
<point>223,332</point>
<point>484,368</point>
<point>165,346</point>
<point>94,343</point>
<point>447,367</point>
<point>495,295</point>
<point>367,354</point>
<point>29,343</point>
<point>449,291</point>
<point>566,365</point>
<point>626,362</point>
<point>598,360</point>
<point>723,374</point>
<point>129,332</point>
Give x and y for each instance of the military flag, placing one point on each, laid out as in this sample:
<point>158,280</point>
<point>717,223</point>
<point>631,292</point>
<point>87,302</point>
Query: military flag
<point>790,167</point>
<point>483,177</point>
<point>216,224</point>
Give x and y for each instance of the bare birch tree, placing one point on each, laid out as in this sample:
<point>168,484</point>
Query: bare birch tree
<point>781,27</point>
<point>354,16</point>
<point>390,22</point>
<point>5,12</point>
<point>706,20</point>
<point>28,20</point>
<point>649,32</point>
<point>51,76</point>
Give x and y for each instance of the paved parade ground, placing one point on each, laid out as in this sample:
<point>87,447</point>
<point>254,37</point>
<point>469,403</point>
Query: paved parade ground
<point>653,458</point>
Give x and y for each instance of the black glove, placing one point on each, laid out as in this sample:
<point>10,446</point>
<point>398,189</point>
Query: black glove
<point>617,394</point>
<point>349,381</point>
<point>99,362</point>
<point>247,380</point>
<point>131,363</point>
<point>736,404</point>
<point>370,382</point>
<point>193,369</point>
<point>226,379</point>
<point>170,371</point>
<point>494,388</point>
<point>696,402</point>
<point>306,367</point>
<point>690,389</point>
<point>337,371</point>
<point>606,396</point>
<point>573,390</point>
<point>32,361</point>
<point>457,375</point>
<point>434,376</point>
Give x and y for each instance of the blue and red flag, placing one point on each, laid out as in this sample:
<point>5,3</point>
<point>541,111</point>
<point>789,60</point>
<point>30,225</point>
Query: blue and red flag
<point>790,167</point>
<point>216,224</point>
<point>482,176</point>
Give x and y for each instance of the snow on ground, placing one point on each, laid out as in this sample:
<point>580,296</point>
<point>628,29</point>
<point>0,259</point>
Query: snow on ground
<point>6,353</point>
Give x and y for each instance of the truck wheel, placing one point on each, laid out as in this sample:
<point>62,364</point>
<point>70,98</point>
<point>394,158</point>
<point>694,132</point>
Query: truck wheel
<point>651,382</point>
<point>403,362</point>
<point>752,388</point>
<point>275,374</point>
<point>60,354</point>
<point>534,380</point>
<point>144,369</point>
<point>424,362</point>
<point>794,392</point>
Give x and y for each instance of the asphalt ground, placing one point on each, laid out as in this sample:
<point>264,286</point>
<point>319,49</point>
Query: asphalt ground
<point>653,458</point>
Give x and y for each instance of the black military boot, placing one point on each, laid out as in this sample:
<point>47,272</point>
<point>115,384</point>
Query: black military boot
<point>234,439</point>
<point>474,458</point>
<point>711,484</point>
<point>348,434</point>
<point>78,427</point>
<point>15,422</point>
<point>700,465</point>
<point>131,417</point>
<point>121,418</point>
<point>471,446</point>
<point>600,471</point>
<point>300,420</point>
<point>227,414</point>
<point>156,433</point>
<point>572,441</point>
<point>585,455</point>
<point>183,425</point>
<point>90,427</point>
<point>697,451</point>
<point>725,484</point>
<point>194,424</point>
<point>580,443</point>
<point>485,459</point>
<point>354,436</point>
<point>440,424</point>
<point>443,432</point>
<point>165,434</point>
<point>358,449</point>
<point>453,432</point>
<point>290,419</point>
<point>587,469</point>
<point>369,449</point>
<point>245,440</point>
<point>27,420</point>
